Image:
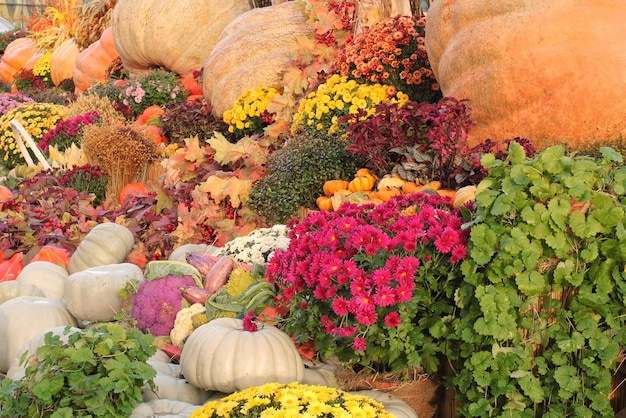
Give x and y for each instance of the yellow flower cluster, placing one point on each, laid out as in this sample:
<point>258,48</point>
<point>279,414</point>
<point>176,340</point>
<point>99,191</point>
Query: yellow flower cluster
<point>249,114</point>
<point>274,400</point>
<point>41,68</point>
<point>37,119</point>
<point>337,97</point>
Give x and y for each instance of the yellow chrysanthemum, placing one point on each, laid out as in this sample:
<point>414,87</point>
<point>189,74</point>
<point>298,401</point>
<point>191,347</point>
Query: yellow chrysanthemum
<point>248,115</point>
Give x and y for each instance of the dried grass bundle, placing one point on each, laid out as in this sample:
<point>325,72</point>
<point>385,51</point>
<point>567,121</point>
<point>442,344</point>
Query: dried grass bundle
<point>92,19</point>
<point>89,101</point>
<point>122,151</point>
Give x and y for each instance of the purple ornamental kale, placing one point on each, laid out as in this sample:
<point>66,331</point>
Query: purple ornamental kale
<point>157,302</point>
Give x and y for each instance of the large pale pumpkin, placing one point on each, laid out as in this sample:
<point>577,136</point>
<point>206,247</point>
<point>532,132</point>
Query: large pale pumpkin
<point>106,243</point>
<point>93,62</point>
<point>16,369</point>
<point>47,276</point>
<point>174,34</point>
<point>220,355</point>
<point>548,70</point>
<point>22,318</point>
<point>252,52</point>
<point>63,61</point>
<point>16,55</point>
<point>93,294</point>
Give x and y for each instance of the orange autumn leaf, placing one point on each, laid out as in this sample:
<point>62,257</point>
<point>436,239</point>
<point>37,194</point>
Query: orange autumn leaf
<point>222,187</point>
<point>246,148</point>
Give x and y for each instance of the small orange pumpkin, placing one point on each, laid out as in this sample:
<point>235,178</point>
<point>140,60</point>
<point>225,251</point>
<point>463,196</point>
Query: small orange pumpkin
<point>386,193</point>
<point>409,187</point>
<point>363,181</point>
<point>325,203</point>
<point>132,190</point>
<point>331,186</point>
<point>447,193</point>
<point>16,55</point>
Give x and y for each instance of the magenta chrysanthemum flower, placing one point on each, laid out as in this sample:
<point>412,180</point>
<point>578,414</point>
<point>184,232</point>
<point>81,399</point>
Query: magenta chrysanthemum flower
<point>359,344</point>
<point>393,320</point>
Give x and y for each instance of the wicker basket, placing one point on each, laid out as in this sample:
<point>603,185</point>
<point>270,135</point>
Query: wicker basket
<point>421,392</point>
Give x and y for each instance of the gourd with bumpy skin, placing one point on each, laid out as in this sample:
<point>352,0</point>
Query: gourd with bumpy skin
<point>174,34</point>
<point>47,276</point>
<point>24,317</point>
<point>252,52</point>
<point>530,68</point>
<point>93,294</point>
<point>222,356</point>
<point>106,243</point>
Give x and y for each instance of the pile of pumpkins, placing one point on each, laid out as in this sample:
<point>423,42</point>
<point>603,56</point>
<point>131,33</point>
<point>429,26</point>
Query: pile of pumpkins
<point>366,187</point>
<point>218,358</point>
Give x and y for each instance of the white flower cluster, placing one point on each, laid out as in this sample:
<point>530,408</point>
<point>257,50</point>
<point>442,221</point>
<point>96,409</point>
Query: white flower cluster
<point>258,246</point>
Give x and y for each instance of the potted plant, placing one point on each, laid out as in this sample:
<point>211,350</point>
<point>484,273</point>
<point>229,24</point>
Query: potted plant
<point>372,286</point>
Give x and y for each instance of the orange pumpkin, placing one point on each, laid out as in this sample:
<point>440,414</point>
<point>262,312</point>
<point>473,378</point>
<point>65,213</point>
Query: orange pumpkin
<point>363,181</point>
<point>409,187</point>
<point>387,193</point>
<point>132,190</point>
<point>93,62</point>
<point>447,193</point>
<point>191,85</point>
<point>16,55</point>
<point>324,203</point>
<point>63,61</point>
<point>531,68</point>
<point>331,186</point>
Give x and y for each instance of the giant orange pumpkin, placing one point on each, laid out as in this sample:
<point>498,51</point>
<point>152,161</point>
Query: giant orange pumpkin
<point>63,61</point>
<point>93,62</point>
<point>174,34</point>
<point>547,70</point>
<point>16,55</point>
<point>252,52</point>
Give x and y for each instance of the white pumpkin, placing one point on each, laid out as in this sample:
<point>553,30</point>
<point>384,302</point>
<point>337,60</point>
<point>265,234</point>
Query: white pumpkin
<point>22,318</point>
<point>47,276</point>
<point>106,243</point>
<point>393,404</point>
<point>320,374</point>
<point>16,370</point>
<point>170,384</point>
<point>93,294</point>
<point>222,356</point>
<point>163,408</point>
<point>12,289</point>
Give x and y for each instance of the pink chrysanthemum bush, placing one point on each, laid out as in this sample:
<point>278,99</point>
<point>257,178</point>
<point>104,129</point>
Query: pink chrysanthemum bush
<point>373,285</point>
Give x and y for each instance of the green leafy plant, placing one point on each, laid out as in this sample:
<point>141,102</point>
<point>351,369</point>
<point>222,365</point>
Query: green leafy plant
<point>189,118</point>
<point>98,372</point>
<point>154,87</point>
<point>541,322</point>
<point>85,178</point>
<point>296,174</point>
